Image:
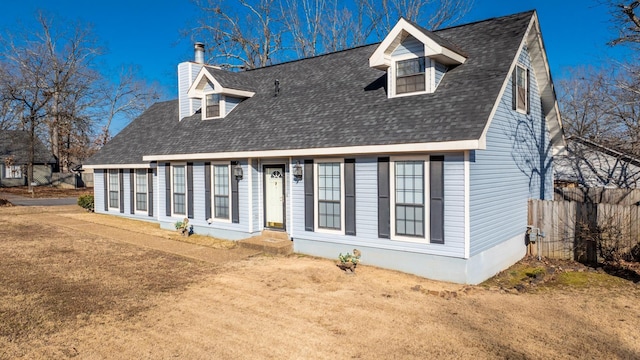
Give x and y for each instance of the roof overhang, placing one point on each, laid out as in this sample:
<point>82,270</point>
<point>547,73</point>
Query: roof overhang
<point>120,166</point>
<point>550,109</point>
<point>381,57</point>
<point>460,145</point>
<point>196,90</point>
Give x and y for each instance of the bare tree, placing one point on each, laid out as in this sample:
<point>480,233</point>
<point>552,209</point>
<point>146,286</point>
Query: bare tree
<point>253,33</point>
<point>627,22</point>
<point>241,34</point>
<point>584,108</point>
<point>128,97</point>
<point>27,85</point>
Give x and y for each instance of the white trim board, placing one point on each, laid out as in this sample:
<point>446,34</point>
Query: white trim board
<point>351,150</point>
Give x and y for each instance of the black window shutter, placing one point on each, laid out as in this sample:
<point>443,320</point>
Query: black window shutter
<point>105,175</point>
<point>150,189</point>
<point>514,88</point>
<point>167,185</point>
<point>2,171</point>
<point>190,190</point>
<point>121,183</point>
<point>384,206</point>
<point>207,190</point>
<point>235,208</point>
<point>350,196</point>
<point>528,92</point>
<point>308,195</point>
<point>132,191</point>
<point>436,183</point>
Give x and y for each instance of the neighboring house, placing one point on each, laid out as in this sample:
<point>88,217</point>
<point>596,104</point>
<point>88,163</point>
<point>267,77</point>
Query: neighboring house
<point>14,157</point>
<point>421,151</point>
<point>591,165</point>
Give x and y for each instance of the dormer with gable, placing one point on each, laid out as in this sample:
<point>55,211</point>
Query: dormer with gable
<point>220,91</point>
<point>210,89</point>
<point>415,59</point>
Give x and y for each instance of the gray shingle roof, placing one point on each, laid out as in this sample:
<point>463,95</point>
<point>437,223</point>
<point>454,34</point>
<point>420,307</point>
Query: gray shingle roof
<point>16,143</point>
<point>337,100</point>
<point>232,80</point>
<point>439,39</point>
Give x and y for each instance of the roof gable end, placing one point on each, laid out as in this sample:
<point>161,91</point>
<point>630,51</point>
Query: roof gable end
<point>434,46</point>
<point>197,89</point>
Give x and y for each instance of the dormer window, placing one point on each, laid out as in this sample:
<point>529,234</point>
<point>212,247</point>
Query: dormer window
<point>212,106</point>
<point>410,76</point>
<point>218,94</point>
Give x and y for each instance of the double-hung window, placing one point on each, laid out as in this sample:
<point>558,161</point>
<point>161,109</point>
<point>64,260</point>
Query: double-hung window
<point>212,106</point>
<point>410,76</point>
<point>141,190</point>
<point>114,189</point>
<point>221,191</point>
<point>409,198</point>
<point>416,199</point>
<point>179,190</point>
<point>329,196</point>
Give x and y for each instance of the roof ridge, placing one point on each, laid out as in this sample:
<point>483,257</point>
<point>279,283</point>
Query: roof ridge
<point>532,11</point>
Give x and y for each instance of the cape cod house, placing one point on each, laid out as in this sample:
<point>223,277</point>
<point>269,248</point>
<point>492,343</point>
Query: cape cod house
<point>421,151</point>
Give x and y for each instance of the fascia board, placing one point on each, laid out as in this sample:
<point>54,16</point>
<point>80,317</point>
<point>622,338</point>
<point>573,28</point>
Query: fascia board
<point>460,145</point>
<point>120,166</point>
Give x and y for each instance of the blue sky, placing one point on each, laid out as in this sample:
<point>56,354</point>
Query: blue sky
<point>147,33</point>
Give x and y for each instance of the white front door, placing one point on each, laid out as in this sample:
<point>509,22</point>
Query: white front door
<point>274,196</point>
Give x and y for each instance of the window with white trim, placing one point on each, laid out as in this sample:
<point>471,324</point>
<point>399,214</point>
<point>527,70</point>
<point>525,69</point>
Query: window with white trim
<point>212,106</point>
<point>410,76</point>
<point>522,92</point>
<point>409,198</point>
<point>179,189</point>
<point>12,172</point>
<point>114,189</point>
<point>416,199</point>
<point>141,190</point>
<point>329,195</point>
<point>221,192</point>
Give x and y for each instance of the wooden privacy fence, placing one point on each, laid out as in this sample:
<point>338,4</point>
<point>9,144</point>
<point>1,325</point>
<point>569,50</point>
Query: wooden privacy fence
<point>598,195</point>
<point>583,231</point>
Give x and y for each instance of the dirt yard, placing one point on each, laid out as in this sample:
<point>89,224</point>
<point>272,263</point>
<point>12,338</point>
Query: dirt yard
<point>69,289</point>
<point>46,191</point>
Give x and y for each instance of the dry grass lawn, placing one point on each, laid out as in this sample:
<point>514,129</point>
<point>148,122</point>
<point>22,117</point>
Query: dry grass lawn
<point>65,293</point>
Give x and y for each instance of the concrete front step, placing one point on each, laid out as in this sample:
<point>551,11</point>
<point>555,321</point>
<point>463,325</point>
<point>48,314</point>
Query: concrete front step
<point>270,242</point>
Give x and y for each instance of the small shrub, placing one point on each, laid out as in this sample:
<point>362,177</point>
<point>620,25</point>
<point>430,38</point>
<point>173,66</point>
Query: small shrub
<point>86,202</point>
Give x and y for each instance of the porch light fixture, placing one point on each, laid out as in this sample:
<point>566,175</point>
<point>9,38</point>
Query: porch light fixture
<point>237,171</point>
<point>297,171</point>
